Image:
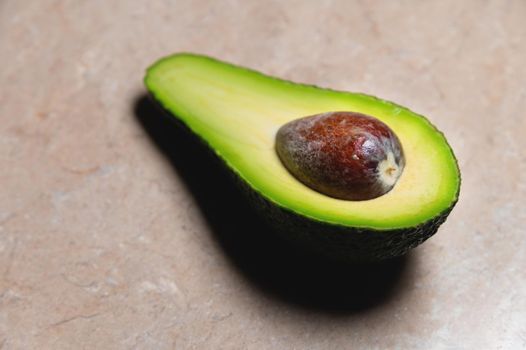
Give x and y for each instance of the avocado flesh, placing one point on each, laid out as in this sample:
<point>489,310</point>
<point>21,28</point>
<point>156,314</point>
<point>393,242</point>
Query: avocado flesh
<point>237,113</point>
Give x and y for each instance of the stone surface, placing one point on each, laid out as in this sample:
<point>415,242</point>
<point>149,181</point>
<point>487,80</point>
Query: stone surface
<point>112,237</point>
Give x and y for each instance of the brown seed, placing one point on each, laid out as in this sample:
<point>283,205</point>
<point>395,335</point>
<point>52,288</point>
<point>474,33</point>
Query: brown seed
<point>345,155</point>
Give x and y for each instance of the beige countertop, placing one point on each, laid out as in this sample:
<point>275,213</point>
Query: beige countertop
<point>117,233</point>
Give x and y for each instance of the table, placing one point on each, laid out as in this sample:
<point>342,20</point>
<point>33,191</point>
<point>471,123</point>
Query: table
<point>117,233</point>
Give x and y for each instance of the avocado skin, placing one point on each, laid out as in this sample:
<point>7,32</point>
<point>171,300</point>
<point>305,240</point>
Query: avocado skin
<point>355,245</point>
<point>335,242</point>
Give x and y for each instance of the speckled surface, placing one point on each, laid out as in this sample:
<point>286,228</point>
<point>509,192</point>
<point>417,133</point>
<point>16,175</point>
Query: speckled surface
<point>114,231</point>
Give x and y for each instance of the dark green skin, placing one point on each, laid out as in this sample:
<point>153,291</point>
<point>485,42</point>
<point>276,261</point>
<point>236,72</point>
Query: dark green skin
<point>343,243</point>
<point>336,242</point>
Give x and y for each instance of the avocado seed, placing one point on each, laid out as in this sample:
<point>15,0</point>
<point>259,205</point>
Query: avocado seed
<point>344,155</point>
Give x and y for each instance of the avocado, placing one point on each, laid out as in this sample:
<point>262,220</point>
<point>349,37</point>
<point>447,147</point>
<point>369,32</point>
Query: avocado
<point>237,113</point>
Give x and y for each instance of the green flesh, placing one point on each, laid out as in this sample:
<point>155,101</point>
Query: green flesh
<point>237,112</point>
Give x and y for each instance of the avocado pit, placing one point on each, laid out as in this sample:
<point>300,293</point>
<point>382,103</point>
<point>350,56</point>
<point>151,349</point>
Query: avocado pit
<point>345,155</point>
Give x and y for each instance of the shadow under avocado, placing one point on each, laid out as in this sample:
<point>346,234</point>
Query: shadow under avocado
<point>278,268</point>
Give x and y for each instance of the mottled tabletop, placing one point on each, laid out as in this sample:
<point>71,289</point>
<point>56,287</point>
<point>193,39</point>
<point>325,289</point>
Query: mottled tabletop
<point>117,231</point>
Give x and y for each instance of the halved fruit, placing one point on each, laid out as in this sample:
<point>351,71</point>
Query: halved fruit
<point>237,113</point>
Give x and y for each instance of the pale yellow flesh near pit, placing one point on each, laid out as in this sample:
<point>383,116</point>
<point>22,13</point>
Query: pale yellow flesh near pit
<point>238,112</point>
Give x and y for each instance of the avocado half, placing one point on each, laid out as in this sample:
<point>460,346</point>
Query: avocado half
<point>236,112</point>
